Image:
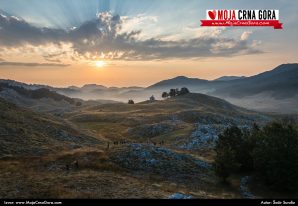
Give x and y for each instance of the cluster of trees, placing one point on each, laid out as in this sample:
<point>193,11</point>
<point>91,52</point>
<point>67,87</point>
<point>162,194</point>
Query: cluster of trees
<point>271,153</point>
<point>175,92</point>
<point>131,101</point>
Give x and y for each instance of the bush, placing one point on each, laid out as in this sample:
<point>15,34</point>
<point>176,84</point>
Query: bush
<point>183,91</point>
<point>276,156</point>
<point>165,95</point>
<point>271,152</point>
<point>225,162</point>
<point>227,149</point>
<point>131,101</point>
<point>175,92</point>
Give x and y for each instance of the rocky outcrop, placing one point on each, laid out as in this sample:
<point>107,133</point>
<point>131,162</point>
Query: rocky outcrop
<point>161,161</point>
<point>205,135</point>
<point>152,130</point>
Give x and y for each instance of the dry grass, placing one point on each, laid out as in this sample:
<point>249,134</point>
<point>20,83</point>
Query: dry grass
<point>45,176</point>
<point>96,177</point>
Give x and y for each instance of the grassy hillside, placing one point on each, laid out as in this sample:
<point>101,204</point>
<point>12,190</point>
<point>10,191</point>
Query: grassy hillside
<point>173,118</point>
<point>157,149</point>
<point>24,132</point>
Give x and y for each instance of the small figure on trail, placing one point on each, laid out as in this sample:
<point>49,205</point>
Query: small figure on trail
<point>108,146</point>
<point>152,98</point>
<point>67,167</point>
<point>76,164</point>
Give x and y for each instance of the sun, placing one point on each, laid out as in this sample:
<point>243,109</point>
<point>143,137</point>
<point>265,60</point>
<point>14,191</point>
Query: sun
<point>100,64</point>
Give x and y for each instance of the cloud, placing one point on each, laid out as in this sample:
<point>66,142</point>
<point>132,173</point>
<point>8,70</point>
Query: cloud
<point>17,32</point>
<point>54,55</point>
<point>53,60</point>
<point>104,37</point>
<point>29,64</point>
<point>245,35</point>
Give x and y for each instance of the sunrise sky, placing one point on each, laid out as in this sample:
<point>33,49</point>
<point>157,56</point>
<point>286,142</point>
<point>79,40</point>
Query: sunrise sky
<point>136,42</point>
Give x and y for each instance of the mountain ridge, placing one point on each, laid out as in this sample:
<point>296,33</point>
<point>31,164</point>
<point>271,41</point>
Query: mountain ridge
<point>277,86</point>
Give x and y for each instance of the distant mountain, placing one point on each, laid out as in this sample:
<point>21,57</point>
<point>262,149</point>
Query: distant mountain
<point>271,91</point>
<point>274,90</point>
<point>280,82</point>
<point>176,82</point>
<point>229,78</point>
<point>90,87</point>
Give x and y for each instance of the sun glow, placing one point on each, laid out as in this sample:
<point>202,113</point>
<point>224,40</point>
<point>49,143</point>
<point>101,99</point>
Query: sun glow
<point>100,64</point>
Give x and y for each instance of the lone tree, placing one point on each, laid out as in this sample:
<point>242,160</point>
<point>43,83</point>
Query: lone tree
<point>165,95</point>
<point>131,101</point>
<point>173,92</point>
<point>183,91</point>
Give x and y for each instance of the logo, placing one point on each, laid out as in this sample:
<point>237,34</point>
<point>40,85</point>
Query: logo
<point>267,18</point>
<point>212,14</point>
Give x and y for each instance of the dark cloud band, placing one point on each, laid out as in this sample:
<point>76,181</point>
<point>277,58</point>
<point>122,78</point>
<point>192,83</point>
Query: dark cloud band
<point>102,36</point>
<point>24,64</point>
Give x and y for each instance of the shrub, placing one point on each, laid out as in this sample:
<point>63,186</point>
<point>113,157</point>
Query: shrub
<point>227,148</point>
<point>276,156</point>
<point>131,101</point>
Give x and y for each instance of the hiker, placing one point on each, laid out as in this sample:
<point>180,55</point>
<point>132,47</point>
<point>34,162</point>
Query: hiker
<point>67,167</point>
<point>108,145</point>
<point>76,164</point>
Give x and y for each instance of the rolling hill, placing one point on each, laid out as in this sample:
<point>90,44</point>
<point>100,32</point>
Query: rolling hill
<point>38,99</point>
<point>155,119</point>
<point>164,148</point>
<point>24,132</point>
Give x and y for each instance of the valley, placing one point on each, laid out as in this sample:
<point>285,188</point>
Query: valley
<point>54,146</point>
<point>146,150</point>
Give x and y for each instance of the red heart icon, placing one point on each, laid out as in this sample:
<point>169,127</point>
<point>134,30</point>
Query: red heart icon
<point>212,14</point>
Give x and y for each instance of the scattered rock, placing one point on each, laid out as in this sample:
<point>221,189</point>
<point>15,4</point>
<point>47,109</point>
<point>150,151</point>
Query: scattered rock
<point>244,189</point>
<point>152,130</point>
<point>205,136</point>
<point>180,196</point>
<point>161,161</point>
<point>156,185</point>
